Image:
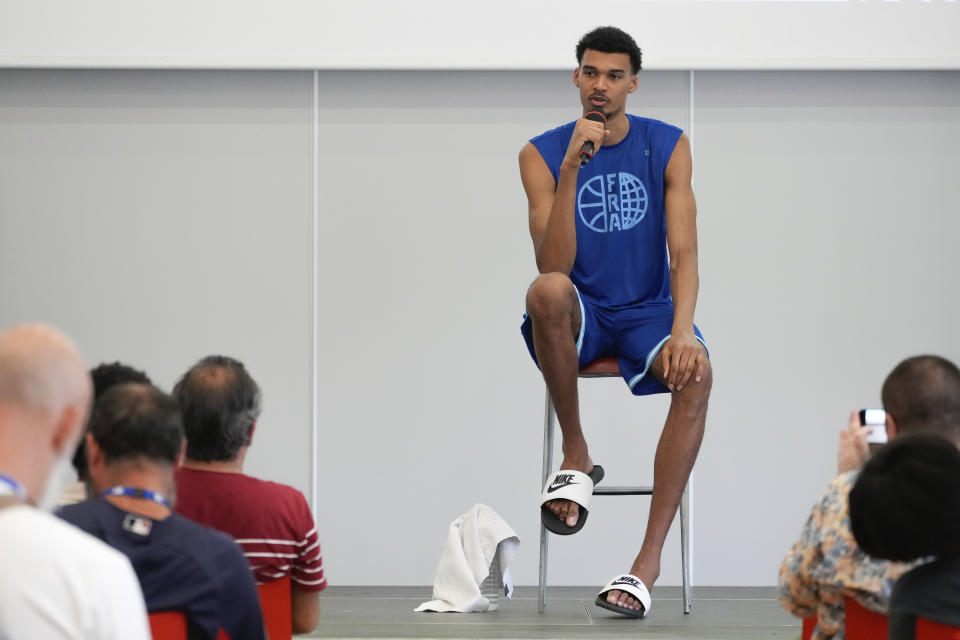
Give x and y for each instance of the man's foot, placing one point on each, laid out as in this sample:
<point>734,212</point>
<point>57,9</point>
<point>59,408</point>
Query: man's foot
<point>625,594</point>
<point>566,510</point>
<point>647,573</point>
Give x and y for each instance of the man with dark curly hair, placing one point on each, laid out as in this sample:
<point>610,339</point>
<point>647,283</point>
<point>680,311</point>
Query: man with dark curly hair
<point>613,221</point>
<point>104,375</point>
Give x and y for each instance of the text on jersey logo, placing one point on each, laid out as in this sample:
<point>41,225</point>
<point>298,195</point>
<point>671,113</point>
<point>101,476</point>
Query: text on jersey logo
<point>612,202</point>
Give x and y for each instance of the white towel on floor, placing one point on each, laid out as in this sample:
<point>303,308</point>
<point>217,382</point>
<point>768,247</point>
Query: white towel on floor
<point>474,541</point>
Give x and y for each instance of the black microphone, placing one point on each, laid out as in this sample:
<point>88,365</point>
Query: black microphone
<point>586,153</point>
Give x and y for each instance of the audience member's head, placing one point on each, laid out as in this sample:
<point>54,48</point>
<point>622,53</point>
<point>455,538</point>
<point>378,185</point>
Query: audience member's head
<point>906,501</point>
<point>104,377</point>
<point>45,394</point>
<point>922,393</point>
<point>220,404</point>
<point>135,427</point>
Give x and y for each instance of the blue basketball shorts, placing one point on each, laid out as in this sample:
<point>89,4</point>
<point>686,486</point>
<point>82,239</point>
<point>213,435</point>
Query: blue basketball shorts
<point>634,336</point>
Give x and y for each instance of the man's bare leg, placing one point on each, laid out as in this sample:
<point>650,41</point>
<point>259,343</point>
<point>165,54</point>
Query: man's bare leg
<point>554,310</point>
<point>676,453</point>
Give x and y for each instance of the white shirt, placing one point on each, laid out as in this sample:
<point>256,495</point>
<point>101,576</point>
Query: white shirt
<point>58,582</point>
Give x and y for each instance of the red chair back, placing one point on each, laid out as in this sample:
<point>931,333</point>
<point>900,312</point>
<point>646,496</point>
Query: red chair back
<point>927,630</point>
<point>863,624</point>
<point>277,609</point>
<point>168,625</point>
<point>808,626</point>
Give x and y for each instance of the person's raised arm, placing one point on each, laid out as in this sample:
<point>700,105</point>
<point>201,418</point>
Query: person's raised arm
<point>682,356</point>
<point>550,203</point>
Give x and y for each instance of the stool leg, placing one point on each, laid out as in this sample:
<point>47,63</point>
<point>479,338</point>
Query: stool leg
<point>685,545</point>
<point>548,415</point>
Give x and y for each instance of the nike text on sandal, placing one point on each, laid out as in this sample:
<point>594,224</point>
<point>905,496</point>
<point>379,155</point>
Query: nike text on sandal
<point>573,486</point>
<point>632,586</point>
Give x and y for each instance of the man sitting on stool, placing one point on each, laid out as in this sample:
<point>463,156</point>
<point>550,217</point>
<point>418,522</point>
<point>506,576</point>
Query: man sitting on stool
<point>134,442</point>
<point>615,243</point>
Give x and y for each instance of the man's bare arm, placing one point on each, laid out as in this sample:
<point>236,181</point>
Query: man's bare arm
<point>682,353</point>
<point>305,606</point>
<point>550,203</point>
<point>554,237</point>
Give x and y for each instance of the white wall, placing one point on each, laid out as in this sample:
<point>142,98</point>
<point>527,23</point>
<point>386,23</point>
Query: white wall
<point>826,226</point>
<point>493,34</point>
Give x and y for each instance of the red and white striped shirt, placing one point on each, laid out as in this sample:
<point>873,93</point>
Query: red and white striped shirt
<point>271,522</point>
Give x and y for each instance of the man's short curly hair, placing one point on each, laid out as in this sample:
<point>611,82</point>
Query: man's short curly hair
<point>611,40</point>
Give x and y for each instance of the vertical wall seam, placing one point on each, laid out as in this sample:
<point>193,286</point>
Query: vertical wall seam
<point>314,284</point>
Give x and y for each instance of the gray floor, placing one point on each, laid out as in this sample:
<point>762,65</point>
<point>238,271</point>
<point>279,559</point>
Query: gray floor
<point>719,613</point>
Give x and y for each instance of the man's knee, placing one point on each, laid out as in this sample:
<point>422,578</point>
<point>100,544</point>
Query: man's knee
<point>695,392</point>
<point>551,295</point>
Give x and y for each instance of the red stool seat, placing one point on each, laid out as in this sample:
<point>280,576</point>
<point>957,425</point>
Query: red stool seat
<point>601,367</point>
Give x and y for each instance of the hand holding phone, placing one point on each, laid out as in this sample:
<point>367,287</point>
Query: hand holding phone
<point>854,449</point>
<point>876,419</point>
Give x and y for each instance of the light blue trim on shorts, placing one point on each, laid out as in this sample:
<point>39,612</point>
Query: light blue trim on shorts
<point>583,321</point>
<point>653,354</point>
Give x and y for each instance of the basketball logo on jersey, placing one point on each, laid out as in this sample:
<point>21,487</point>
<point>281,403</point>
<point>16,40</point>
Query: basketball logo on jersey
<point>612,202</point>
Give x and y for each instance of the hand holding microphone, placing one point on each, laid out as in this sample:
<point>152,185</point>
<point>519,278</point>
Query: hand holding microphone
<point>587,151</point>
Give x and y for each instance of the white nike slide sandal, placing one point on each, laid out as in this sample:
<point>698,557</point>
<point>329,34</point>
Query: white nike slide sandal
<point>631,585</point>
<point>573,486</point>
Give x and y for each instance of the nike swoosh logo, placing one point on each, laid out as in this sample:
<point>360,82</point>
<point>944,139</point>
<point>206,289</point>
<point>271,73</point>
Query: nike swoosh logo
<point>555,487</point>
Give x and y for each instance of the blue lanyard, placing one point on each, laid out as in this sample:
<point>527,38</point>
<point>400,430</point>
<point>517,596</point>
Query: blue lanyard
<point>132,492</point>
<point>15,486</point>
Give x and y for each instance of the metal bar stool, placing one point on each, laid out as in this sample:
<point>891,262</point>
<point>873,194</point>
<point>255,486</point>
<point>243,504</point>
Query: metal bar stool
<point>607,368</point>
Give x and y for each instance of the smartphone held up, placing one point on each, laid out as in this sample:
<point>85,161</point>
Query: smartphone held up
<point>876,419</point>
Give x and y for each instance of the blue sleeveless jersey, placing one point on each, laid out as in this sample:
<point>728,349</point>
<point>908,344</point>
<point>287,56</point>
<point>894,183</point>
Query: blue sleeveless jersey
<point>622,258</point>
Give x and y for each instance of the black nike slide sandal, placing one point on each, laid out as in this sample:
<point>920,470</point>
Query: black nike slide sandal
<point>568,485</point>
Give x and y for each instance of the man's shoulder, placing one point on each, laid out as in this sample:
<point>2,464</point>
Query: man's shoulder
<point>839,488</point>
<point>830,512</point>
<point>255,491</point>
<point>27,528</point>
<point>652,124</point>
<point>553,140</point>
<point>275,489</point>
<point>79,512</point>
<point>201,541</point>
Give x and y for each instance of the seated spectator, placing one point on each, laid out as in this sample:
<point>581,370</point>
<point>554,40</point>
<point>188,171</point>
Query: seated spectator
<point>104,376</point>
<point>55,580</point>
<point>270,521</point>
<point>921,394</point>
<point>905,506</point>
<point>134,442</point>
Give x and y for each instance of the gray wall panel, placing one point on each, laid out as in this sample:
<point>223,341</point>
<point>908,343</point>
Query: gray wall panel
<point>828,216</point>
<point>161,216</point>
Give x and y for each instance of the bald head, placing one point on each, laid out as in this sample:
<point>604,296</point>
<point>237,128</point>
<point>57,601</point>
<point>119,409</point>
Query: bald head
<point>41,370</point>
